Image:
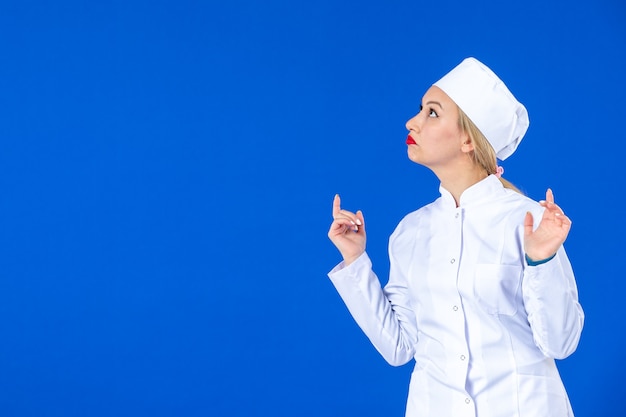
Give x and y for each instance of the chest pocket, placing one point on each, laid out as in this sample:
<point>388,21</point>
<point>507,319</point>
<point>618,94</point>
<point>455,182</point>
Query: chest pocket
<point>496,288</point>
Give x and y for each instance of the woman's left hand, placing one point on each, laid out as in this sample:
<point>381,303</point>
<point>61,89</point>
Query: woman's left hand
<point>552,231</point>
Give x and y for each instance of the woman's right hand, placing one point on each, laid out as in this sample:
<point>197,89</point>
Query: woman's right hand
<point>347,232</point>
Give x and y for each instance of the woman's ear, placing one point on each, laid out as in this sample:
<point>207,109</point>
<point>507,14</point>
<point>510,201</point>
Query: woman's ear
<point>468,145</point>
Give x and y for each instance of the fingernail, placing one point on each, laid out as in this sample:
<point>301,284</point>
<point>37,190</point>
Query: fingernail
<point>358,222</point>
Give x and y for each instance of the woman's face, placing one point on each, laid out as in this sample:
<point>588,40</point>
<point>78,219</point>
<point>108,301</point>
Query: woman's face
<point>435,139</point>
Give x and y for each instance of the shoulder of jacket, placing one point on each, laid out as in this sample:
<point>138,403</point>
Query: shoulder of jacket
<point>414,218</point>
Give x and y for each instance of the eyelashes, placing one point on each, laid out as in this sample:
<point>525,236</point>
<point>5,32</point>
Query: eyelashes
<point>431,112</point>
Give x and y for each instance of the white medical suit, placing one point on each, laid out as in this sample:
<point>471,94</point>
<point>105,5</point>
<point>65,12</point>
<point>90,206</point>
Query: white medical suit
<point>483,326</point>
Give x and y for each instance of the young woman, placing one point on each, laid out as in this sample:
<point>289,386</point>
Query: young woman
<point>481,292</point>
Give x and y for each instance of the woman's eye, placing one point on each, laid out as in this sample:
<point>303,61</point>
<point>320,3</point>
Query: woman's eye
<point>432,113</point>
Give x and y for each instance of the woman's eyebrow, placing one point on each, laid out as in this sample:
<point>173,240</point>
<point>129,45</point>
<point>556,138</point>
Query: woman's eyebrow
<point>435,102</point>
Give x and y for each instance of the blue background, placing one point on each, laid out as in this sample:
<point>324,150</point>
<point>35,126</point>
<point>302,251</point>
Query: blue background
<point>167,170</point>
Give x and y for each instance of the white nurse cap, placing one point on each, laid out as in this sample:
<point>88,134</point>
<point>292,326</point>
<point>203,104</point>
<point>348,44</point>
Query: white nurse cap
<point>488,103</point>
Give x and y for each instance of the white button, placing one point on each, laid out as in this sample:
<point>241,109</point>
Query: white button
<point>455,308</point>
<point>456,216</point>
<point>462,357</point>
<point>452,260</point>
<point>467,401</point>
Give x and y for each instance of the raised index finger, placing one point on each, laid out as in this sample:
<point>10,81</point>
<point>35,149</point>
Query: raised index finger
<point>549,196</point>
<point>336,205</point>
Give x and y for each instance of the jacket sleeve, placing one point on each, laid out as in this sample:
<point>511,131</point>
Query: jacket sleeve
<point>551,300</point>
<point>384,315</point>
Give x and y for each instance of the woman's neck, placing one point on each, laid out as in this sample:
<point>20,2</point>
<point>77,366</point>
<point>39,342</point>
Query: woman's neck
<point>457,181</point>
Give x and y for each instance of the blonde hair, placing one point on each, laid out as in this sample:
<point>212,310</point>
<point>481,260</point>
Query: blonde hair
<point>483,153</point>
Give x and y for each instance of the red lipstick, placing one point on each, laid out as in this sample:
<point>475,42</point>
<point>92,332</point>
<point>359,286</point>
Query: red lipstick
<point>410,141</point>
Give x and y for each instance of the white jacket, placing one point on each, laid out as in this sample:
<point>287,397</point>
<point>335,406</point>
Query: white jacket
<point>483,326</point>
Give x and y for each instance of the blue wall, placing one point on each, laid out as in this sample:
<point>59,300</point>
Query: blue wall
<point>166,176</point>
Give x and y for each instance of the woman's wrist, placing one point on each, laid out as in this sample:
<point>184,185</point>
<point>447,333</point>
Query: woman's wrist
<point>350,259</point>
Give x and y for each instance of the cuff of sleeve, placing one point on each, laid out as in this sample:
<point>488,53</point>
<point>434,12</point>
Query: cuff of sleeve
<point>530,262</point>
<point>341,270</point>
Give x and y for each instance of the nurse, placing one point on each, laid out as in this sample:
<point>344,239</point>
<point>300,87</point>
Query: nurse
<point>480,292</point>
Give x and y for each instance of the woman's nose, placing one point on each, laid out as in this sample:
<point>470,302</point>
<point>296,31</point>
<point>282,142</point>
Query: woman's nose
<point>412,123</point>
